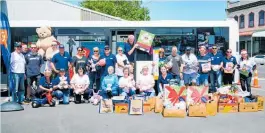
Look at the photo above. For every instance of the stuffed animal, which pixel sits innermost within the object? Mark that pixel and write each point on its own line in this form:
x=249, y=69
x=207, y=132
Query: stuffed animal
x=45, y=41
x=78, y=88
x=95, y=99
x=63, y=83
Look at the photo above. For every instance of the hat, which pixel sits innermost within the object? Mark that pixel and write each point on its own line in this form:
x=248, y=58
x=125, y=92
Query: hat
x=62, y=70
x=17, y=44
x=188, y=48
x=106, y=47
x=61, y=46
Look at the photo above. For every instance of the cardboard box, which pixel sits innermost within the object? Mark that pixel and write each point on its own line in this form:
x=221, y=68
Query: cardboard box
x=248, y=107
x=179, y=113
x=228, y=107
x=152, y=102
x=198, y=110
x=121, y=108
x=211, y=108
x=260, y=103
x=147, y=108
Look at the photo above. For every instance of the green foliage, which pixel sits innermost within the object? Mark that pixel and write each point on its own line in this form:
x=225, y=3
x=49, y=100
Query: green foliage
x=128, y=10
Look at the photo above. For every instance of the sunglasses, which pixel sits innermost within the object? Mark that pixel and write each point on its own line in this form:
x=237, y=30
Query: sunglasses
x=33, y=47
x=95, y=51
x=106, y=49
x=119, y=50
x=19, y=46
x=228, y=51
x=214, y=48
x=80, y=50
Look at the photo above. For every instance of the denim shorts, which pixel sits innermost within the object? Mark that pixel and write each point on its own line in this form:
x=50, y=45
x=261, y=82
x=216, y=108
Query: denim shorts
x=203, y=79
x=188, y=78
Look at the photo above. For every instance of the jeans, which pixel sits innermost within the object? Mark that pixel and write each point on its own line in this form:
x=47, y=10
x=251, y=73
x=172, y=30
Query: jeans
x=216, y=79
x=245, y=83
x=202, y=79
x=19, y=88
x=62, y=94
x=93, y=79
x=130, y=93
x=188, y=78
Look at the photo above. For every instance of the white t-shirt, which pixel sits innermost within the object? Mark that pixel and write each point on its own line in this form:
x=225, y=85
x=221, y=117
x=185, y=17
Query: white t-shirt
x=120, y=59
x=80, y=80
x=129, y=82
x=17, y=62
x=146, y=81
x=190, y=62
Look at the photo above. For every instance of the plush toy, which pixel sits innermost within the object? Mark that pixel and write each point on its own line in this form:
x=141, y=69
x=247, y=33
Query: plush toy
x=45, y=41
x=63, y=83
x=78, y=88
x=95, y=99
x=102, y=62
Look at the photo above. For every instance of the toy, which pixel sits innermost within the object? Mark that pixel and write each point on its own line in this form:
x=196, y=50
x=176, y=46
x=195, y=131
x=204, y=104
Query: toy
x=63, y=83
x=102, y=62
x=37, y=102
x=45, y=41
x=95, y=99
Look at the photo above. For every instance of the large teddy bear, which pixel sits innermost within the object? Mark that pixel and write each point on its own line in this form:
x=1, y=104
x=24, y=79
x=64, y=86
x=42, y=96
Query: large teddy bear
x=45, y=41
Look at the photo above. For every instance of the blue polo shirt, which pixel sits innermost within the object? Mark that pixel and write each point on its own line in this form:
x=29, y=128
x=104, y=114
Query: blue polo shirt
x=216, y=59
x=231, y=59
x=110, y=61
x=203, y=60
x=163, y=81
x=127, y=48
x=43, y=82
x=61, y=61
x=56, y=81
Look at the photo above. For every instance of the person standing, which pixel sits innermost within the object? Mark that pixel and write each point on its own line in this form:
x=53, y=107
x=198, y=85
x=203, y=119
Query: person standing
x=61, y=60
x=110, y=60
x=95, y=69
x=204, y=60
x=130, y=48
x=229, y=65
x=122, y=62
x=190, y=67
x=216, y=65
x=80, y=61
x=25, y=49
x=33, y=65
x=174, y=64
x=17, y=64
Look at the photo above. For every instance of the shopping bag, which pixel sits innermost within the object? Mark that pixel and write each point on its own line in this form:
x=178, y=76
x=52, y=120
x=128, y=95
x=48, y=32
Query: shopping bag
x=106, y=106
x=136, y=107
x=146, y=108
x=174, y=94
x=158, y=105
x=197, y=94
x=152, y=102
x=180, y=113
x=121, y=108
x=198, y=110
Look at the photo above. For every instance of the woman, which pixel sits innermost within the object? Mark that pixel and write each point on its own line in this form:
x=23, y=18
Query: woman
x=109, y=85
x=80, y=83
x=162, y=58
x=163, y=79
x=45, y=84
x=229, y=64
x=62, y=87
x=79, y=60
x=122, y=61
x=246, y=67
x=126, y=83
x=94, y=74
x=145, y=84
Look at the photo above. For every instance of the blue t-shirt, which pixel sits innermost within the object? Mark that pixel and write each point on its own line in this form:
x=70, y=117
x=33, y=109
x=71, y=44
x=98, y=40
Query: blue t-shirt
x=163, y=81
x=56, y=81
x=203, y=60
x=110, y=61
x=61, y=61
x=33, y=64
x=127, y=48
x=43, y=82
x=216, y=59
x=231, y=59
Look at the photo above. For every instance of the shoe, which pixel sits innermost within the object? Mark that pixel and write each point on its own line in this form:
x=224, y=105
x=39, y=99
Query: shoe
x=27, y=100
x=57, y=102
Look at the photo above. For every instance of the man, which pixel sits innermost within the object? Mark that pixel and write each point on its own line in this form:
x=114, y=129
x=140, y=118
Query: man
x=216, y=65
x=25, y=49
x=174, y=63
x=61, y=60
x=229, y=66
x=204, y=60
x=129, y=48
x=33, y=65
x=190, y=68
x=17, y=64
x=110, y=61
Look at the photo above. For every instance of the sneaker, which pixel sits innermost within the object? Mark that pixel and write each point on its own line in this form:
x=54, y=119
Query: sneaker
x=71, y=99
x=57, y=101
x=27, y=100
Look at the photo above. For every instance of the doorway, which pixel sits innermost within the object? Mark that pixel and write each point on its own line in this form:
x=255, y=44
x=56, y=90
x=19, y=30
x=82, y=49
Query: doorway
x=119, y=38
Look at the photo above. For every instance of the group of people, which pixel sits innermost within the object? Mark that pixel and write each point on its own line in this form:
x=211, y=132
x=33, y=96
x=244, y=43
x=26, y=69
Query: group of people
x=113, y=75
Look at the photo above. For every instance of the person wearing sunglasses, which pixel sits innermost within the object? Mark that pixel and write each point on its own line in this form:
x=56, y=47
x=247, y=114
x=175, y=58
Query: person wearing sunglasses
x=79, y=60
x=122, y=62
x=34, y=62
x=229, y=65
x=204, y=60
x=216, y=65
x=17, y=66
x=95, y=69
x=110, y=60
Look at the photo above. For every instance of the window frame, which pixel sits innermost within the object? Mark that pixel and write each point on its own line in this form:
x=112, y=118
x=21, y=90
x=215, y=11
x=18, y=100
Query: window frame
x=249, y=16
x=263, y=17
x=242, y=15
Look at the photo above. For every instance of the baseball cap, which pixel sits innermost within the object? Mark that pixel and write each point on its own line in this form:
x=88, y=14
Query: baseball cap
x=188, y=48
x=62, y=70
x=17, y=44
x=106, y=47
x=61, y=46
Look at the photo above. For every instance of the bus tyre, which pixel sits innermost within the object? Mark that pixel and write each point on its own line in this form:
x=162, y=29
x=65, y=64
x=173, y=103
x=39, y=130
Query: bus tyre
x=34, y=104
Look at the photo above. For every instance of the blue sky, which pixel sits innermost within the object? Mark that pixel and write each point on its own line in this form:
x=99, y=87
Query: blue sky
x=183, y=10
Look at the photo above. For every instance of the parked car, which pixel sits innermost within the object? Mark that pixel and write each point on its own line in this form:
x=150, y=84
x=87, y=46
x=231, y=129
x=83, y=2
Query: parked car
x=259, y=59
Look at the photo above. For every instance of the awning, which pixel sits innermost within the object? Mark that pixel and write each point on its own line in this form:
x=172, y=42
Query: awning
x=247, y=33
x=259, y=34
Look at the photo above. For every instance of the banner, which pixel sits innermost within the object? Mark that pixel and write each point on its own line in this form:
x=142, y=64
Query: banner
x=145, y=41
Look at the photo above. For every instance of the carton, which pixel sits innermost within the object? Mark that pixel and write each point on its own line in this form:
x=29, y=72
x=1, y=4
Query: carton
x=146, y=108
x=228, y=107
x=248, y=107
x=121, y=108
x=198, y=110
x=179, y=113
x=260, y=103
x=211, y=108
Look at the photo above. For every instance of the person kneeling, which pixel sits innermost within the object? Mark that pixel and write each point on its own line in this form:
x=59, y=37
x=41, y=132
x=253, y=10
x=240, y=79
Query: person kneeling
x=109, y=85
x=61, y=87
x=145, y=83
x=80, y=83
x=127, y=84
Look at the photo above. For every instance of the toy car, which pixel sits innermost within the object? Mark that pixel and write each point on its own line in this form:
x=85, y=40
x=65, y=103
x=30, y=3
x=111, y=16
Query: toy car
x=42, y=101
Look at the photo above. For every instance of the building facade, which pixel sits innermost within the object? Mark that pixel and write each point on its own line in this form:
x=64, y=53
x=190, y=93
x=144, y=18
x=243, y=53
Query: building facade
x=250, y=17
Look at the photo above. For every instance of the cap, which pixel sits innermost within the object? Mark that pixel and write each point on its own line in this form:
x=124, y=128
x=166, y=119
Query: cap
x=188, y=48
x=62, y=70
x=106, y=47
x=17, y=44
x=61, y=46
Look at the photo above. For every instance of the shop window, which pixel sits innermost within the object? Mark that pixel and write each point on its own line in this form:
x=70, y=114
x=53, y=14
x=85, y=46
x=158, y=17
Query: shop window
x=236, y=18
x=261, y=18
x=242, y=22
x=251, y=20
